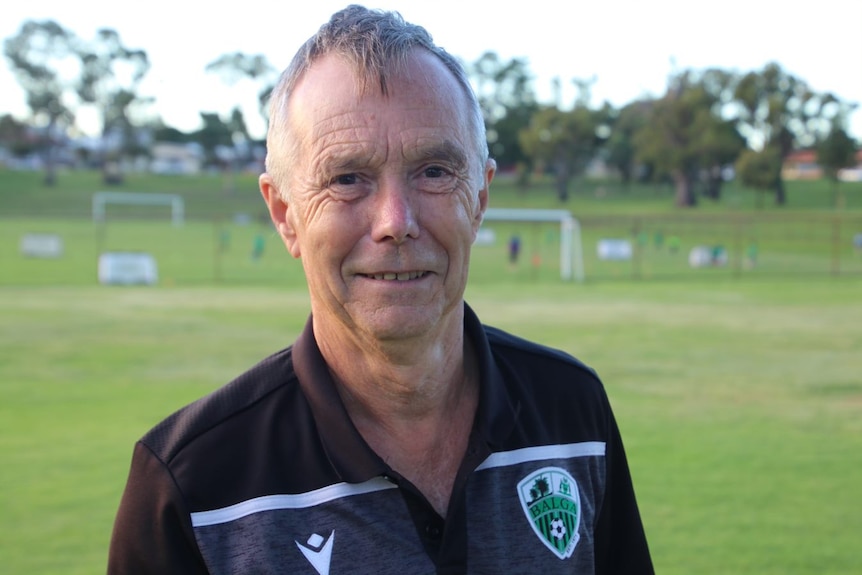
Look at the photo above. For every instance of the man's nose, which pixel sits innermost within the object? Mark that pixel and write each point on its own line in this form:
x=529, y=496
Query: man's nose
x=396, y=216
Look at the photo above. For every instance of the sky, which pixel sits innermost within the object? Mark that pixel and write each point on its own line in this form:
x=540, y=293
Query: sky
x=628, y=46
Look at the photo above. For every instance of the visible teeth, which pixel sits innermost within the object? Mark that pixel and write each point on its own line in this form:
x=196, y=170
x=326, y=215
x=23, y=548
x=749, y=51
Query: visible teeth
x=404, y=276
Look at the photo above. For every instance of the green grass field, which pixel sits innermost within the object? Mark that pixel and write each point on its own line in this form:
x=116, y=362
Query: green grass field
x=739, y=404
x=739, y=397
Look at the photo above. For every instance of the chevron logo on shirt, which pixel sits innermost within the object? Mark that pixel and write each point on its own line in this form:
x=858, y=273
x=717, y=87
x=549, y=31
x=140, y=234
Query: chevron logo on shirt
x=318, y=551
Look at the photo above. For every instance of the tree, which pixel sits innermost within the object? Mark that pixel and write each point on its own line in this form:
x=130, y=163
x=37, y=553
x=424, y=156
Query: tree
x=236, y=67
x=668, y=140
x=666, y=143
x=15, y=136
x=110, y=77
x=777, y=112
x=507, y=99
x=164, y=133
x=215, y=134
x=240, y=148
x=36, y=55
x=687, y=138
x=835, y=152
x=760, y=169
x=563, y=142
x=720, y=143
x=232, y=69
x=620, y=146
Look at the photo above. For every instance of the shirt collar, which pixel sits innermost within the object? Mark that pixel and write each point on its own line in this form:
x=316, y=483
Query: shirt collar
x=350, y=455
x=495, y=416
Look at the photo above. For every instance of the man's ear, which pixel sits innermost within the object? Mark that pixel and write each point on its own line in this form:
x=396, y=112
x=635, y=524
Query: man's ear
x=279, y=212
x=482, y=205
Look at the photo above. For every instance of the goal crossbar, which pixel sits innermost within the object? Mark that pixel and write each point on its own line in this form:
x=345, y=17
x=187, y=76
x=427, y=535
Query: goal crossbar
x=571, y=248
x=101, y=199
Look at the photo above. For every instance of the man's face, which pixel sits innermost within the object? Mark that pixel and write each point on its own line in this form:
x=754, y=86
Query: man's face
x=385, y=200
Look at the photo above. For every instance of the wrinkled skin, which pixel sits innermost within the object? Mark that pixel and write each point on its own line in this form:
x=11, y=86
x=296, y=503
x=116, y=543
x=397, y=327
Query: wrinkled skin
x=384, y=202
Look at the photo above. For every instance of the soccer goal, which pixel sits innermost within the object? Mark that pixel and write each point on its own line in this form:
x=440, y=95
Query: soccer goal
x=102, y=199
x=571, y=248
x=132, y=263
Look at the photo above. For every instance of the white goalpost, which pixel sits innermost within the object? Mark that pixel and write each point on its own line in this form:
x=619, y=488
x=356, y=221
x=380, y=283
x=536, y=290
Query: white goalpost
x=571, y=248
x=102, y=199
x=127, y=267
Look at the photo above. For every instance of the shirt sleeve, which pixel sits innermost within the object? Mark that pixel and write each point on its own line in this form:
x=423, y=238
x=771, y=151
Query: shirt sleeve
x=621, y=545
x=153, y=531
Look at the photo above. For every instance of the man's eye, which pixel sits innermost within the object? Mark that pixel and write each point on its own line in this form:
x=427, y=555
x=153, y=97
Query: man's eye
x=345, y=179
x=434, y=172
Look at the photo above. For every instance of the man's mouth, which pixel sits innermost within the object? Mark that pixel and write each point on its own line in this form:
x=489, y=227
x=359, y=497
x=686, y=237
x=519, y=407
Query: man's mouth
x=393, y=276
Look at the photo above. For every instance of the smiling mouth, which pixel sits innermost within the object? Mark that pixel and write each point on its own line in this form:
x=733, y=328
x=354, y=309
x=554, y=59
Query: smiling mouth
x=392, y=276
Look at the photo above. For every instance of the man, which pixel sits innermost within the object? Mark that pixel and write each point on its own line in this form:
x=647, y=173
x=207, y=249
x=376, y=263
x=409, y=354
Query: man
x=397, y=434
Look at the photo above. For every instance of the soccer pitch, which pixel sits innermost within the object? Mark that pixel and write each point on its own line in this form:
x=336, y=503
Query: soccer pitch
x=738, y=396
x=739, y=403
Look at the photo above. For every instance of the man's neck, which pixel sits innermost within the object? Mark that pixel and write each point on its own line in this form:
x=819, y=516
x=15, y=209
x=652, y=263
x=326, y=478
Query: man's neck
x=401, y=378
x=424, y=444
x=416, y=414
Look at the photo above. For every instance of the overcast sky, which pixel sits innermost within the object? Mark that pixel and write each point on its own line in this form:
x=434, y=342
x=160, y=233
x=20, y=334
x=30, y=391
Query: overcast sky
x=629, y=46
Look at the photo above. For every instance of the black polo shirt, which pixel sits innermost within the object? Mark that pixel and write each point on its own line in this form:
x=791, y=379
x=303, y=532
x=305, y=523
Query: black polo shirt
x=269, y=475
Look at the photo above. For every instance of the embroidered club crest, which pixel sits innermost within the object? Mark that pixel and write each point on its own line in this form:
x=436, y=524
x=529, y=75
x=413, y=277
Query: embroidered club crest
x=551, y=501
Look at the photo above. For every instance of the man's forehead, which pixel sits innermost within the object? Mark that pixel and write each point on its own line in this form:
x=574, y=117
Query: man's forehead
x=329, y=111
x=420, y=72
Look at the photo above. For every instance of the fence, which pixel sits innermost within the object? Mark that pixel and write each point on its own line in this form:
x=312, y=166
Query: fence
x=739, y=246
x=701, y=246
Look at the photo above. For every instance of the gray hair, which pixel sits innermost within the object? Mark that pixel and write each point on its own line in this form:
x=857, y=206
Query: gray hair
x=376, y=43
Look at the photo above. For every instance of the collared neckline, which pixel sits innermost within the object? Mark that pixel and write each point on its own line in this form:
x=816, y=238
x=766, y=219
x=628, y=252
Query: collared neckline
x=352, y=458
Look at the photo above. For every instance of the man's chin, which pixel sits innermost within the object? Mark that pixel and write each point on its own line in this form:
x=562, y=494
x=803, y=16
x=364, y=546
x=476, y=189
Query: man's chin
x=400, y=322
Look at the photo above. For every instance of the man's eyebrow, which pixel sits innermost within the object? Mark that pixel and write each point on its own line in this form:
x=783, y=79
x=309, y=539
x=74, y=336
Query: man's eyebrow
x=345, y=161
x=445, y=150
x=348, y=161
x=346, y=164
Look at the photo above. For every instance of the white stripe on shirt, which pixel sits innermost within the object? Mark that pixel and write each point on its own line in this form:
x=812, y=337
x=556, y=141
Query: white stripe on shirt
x=543, y=452
x=290, y=501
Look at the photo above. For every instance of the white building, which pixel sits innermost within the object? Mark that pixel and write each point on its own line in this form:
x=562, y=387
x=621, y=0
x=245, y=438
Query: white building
x=175, y=158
